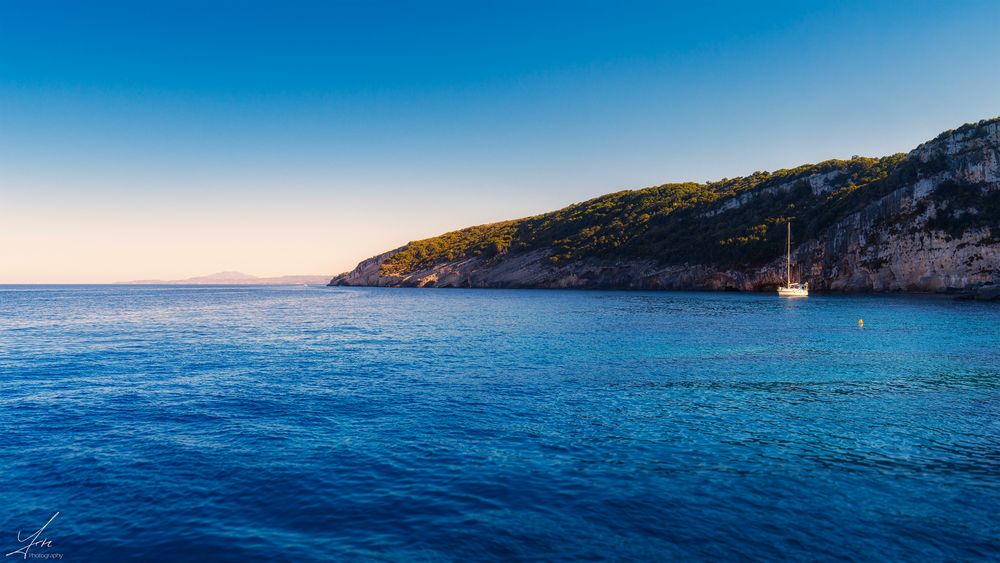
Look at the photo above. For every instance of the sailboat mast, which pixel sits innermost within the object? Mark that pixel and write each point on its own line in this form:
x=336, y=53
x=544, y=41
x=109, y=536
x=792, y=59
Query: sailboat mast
x=788, y=260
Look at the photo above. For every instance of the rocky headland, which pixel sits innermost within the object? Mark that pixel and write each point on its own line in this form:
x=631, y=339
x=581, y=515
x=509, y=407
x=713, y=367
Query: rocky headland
x=925, y=221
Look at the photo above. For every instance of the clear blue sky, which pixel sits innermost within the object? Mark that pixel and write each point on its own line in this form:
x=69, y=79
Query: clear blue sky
x=166, y=139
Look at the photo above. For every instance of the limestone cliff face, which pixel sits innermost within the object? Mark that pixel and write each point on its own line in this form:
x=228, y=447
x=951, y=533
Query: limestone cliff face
x=903, y=241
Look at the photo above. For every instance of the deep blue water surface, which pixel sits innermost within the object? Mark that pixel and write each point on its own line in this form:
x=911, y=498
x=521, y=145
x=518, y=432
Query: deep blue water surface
x=294, y=423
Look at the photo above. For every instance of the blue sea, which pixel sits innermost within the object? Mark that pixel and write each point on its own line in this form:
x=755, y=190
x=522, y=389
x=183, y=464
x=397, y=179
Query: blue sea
x=311, y=423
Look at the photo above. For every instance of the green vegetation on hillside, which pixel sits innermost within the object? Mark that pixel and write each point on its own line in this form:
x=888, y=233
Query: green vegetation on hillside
x=977, y=126
x=678, y=223
x=962, y=207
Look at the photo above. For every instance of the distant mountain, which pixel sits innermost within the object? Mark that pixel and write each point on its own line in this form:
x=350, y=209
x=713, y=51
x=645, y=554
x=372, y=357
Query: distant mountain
x=236, y=278
x=928, y=220
x=224, y=277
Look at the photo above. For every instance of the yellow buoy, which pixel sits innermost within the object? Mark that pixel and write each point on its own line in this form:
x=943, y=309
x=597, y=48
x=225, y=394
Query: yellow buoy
x=861, y=323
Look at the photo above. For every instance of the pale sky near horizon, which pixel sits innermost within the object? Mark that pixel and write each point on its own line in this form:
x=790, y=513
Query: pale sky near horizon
x=174, y=139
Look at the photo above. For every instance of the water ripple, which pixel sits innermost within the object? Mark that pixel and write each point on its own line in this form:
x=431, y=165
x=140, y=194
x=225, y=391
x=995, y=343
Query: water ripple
x=176, y=423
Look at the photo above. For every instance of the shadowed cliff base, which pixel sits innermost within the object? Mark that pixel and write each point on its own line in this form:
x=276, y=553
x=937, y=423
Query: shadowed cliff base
x=926, y=221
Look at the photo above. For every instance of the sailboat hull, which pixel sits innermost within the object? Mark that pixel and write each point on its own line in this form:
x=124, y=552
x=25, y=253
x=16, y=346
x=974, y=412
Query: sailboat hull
x=793, y=292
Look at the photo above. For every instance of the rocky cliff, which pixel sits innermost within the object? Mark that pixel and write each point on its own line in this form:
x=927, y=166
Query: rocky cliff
x=927, y=221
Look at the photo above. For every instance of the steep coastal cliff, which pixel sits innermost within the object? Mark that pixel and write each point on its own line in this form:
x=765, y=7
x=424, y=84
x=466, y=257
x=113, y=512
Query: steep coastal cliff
x=925, y=221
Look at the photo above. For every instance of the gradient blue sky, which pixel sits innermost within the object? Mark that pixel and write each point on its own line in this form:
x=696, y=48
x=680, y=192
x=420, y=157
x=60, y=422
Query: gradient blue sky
x=169, y=139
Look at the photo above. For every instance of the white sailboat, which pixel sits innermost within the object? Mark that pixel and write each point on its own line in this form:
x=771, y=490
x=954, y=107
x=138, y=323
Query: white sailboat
x=791, y=289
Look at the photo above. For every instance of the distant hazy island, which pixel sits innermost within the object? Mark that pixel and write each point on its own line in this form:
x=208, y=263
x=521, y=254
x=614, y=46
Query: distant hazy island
x=924, y=221
x=235, y=278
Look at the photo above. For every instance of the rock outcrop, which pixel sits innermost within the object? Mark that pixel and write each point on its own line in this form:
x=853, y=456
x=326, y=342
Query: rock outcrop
x=935, y=229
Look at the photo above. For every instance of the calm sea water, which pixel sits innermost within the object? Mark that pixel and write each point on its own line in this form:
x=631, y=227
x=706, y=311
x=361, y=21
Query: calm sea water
x=294, y=423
